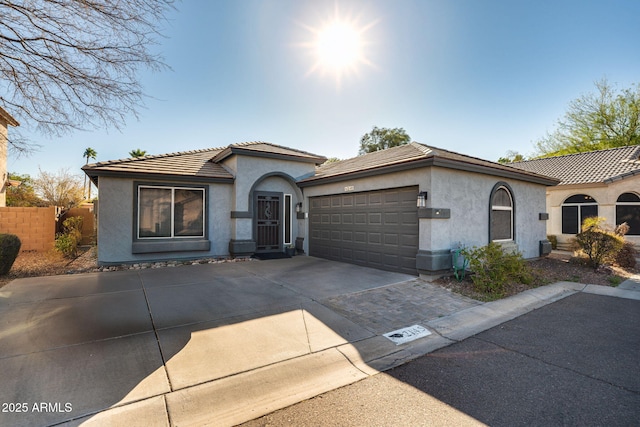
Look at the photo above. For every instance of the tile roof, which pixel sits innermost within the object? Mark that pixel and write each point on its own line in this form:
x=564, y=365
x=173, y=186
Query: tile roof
x=415, y=154
x=602, y=166
x=195, y=163
x=203, y=163
x=268, y=149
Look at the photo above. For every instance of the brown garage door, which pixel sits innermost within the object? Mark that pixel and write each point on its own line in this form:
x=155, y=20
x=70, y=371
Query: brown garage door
x=376, y=228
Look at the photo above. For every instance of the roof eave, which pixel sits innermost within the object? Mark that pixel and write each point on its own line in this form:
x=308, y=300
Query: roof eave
x=229, y=151
x=5, y=116
x=432, y=161
x=94, y=174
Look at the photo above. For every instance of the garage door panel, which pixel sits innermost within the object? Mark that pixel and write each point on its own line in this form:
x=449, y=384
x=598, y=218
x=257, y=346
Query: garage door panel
x=391, y=218
x=375, y=219
x=377, y=229
x=360, y=236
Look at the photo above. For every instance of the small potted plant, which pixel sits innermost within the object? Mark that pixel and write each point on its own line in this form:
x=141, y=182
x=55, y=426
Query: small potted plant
x=290, y=250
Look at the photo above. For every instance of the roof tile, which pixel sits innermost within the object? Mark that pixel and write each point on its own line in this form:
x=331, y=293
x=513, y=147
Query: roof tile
x=600, y=166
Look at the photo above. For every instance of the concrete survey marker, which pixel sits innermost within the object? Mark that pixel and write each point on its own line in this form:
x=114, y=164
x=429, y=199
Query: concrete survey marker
x=408, y=334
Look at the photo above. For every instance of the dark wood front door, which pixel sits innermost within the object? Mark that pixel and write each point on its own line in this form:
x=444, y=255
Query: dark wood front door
x=268, y=222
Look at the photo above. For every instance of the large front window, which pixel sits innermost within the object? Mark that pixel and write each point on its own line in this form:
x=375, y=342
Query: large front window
x=575, y=210
x=170, y=212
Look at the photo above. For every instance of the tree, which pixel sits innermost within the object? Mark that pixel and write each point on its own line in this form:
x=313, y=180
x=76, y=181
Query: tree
x=331, y=160
x=89, y=153
x=382, y=138
x=67, y=65
x=596, y=121
x=137, y=153
x=511, y=156
x=23, y=195
x=59, y=189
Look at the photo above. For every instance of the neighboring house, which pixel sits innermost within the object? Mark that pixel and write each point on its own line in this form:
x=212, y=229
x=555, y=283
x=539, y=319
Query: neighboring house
x=602, y=183
x=6, y=120
x=259, y=197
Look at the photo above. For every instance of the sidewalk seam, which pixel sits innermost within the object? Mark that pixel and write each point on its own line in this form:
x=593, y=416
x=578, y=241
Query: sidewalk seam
x=155, y=332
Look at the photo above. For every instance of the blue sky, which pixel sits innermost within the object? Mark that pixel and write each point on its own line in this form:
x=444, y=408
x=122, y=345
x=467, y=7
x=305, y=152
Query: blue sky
x=478, y=77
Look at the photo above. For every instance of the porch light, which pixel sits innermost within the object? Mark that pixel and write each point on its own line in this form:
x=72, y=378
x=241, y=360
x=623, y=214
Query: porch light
x=298, y=207
x=422, y=199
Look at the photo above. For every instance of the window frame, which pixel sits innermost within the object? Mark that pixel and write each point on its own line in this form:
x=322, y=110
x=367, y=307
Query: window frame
x=287, y=229
x=512, y=209
x=578, y=206
x=632, y=232
x=173, y=188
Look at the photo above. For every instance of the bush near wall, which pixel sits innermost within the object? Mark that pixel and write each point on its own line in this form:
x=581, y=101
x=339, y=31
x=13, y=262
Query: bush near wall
x=9, y=248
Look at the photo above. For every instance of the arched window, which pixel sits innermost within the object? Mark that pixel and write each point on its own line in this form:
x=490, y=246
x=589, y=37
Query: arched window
x=501, y=216
x=628, y=210
x=576, y=209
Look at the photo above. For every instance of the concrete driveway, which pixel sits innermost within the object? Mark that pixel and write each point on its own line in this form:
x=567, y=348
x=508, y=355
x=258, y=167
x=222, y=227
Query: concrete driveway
x=220, y=344
x=140, y=340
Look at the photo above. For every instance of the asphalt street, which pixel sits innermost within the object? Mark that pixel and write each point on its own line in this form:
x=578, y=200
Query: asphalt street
x=575, y=362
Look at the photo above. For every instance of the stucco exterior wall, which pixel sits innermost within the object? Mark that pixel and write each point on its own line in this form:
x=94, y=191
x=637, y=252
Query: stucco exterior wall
x=116, y=213
x=467, y=195
x=604, y=194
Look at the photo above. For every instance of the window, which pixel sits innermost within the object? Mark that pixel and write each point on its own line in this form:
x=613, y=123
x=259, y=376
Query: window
x=288, y=215
x=575, y=210
x=628, y=210
x=501, y=221
x=170, y=212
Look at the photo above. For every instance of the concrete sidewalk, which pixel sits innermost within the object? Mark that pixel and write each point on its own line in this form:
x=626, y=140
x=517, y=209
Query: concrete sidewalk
x=220, y=344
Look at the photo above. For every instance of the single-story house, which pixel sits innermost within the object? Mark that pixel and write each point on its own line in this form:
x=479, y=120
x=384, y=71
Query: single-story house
x=602, y=183
x=400, y=209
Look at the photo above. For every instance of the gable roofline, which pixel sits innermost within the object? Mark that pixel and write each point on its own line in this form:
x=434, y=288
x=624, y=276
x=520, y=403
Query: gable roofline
x=416, y=155
x=195, y=164
x=268, y=150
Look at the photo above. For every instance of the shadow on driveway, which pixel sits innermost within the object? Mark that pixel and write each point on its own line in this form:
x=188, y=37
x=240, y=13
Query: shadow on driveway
x=72, y=346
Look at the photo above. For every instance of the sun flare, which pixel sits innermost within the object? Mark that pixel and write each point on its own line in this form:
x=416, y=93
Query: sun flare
x=338, y=47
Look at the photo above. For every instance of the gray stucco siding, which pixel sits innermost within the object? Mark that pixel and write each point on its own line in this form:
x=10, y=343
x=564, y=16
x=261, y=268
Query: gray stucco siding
x=117, y=218
x=466, y=195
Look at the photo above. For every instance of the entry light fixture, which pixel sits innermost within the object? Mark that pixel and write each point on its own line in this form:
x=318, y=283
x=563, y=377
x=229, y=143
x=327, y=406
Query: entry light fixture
x=298, y=207
x=422, y=199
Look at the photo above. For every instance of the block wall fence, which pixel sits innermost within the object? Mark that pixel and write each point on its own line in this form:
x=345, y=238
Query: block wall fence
x=37, y=227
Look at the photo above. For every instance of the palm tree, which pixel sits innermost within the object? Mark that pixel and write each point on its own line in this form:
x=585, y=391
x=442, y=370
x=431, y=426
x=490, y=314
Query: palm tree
x=89, y=153
x=137, y=153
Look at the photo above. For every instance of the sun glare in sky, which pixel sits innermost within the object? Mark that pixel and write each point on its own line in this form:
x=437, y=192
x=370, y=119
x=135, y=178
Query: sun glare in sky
x=338, y=47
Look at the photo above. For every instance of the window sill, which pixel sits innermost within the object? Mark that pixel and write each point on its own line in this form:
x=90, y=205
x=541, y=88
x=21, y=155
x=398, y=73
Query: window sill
x=174, y=245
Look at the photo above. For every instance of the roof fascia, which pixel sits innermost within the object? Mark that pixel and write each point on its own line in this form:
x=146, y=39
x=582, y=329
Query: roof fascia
x=487, y=170
x=311, y=181
x=265, y=154
x=5, y=116
x=431, y=161
x=94, y=175
x=621, y=176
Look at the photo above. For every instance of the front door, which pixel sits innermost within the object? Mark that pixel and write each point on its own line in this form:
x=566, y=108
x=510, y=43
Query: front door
x=268, y=221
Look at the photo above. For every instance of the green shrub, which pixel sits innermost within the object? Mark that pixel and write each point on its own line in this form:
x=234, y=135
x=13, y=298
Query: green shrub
x=626, y=256
x=493, y=268
x=597, y=242
x=554, y=241
x=67, y=242
x=9, y=249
